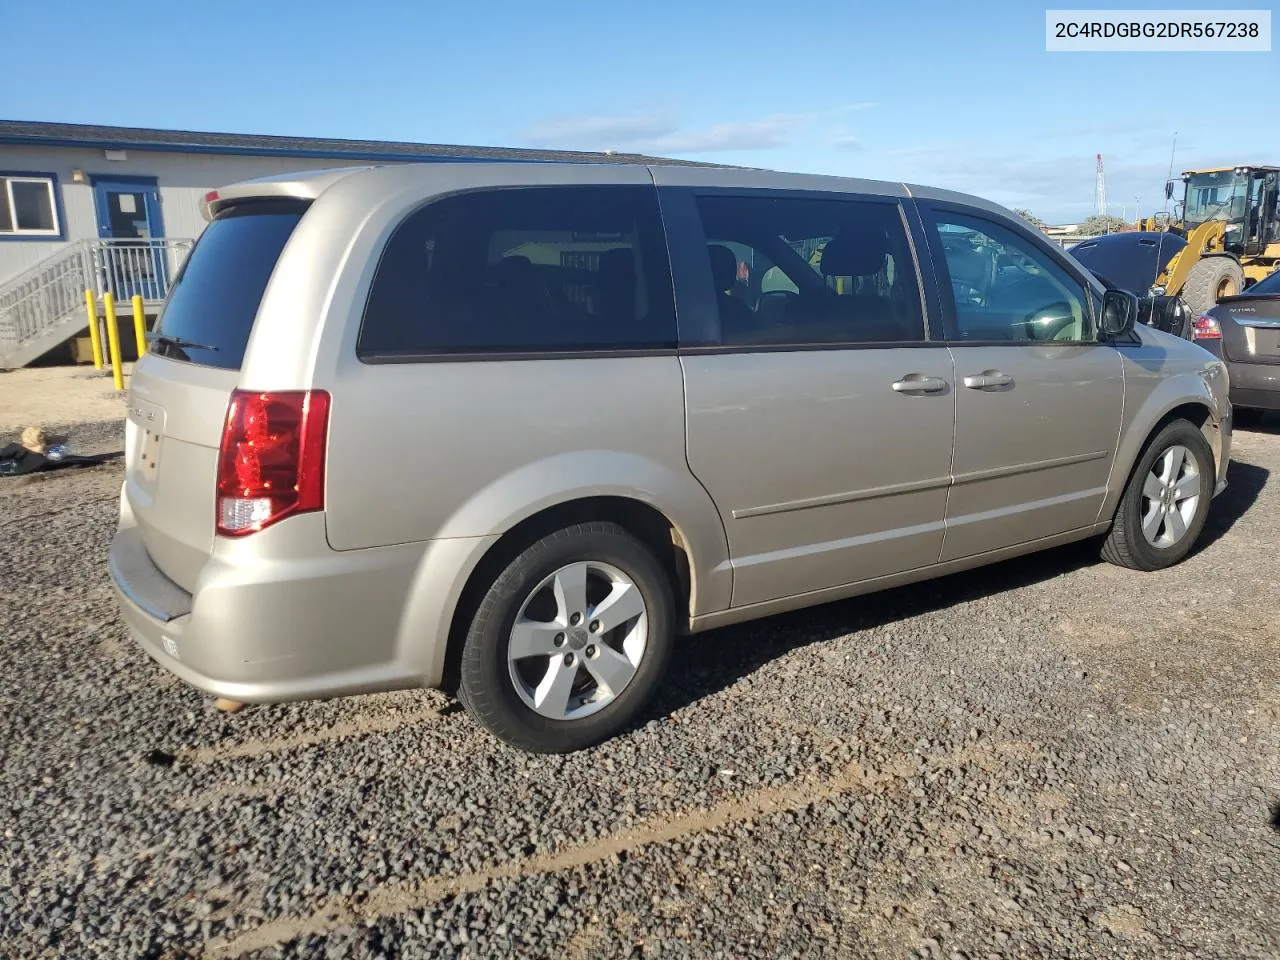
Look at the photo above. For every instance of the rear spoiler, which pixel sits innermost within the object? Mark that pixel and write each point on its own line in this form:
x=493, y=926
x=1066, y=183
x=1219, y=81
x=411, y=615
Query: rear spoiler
x=307, y=185
x=1246, y=295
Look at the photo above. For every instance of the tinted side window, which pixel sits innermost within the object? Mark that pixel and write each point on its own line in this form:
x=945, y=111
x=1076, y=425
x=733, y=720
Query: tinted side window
x=811, y=270
x=523, y=270
x=214, y=300
x=1004, y=287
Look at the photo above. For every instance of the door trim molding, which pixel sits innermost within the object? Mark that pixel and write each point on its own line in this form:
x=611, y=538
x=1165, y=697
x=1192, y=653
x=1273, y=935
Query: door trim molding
x=995, y=473
x=915, y=486
x=851, y=496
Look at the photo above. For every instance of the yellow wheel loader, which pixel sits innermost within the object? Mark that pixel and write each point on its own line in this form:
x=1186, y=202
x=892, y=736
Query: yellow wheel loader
x=1230, y=221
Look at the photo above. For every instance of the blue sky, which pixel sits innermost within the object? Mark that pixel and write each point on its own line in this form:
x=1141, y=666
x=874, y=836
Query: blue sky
x=954, y=95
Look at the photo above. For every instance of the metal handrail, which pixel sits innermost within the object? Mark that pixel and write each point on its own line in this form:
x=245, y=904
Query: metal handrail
x=37, y=299
x=51, y=293
x=128, y=268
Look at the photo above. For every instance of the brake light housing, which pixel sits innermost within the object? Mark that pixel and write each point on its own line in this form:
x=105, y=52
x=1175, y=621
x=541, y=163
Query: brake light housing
x=209, y=206
x=271, y=460
x=1205, y=327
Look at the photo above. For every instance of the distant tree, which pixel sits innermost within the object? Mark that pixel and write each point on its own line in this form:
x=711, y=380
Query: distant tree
x=1101, y=223
x=1030, y=217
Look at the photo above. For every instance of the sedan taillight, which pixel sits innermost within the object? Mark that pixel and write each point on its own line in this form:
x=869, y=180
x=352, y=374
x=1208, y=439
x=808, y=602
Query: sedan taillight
x=1205, y=327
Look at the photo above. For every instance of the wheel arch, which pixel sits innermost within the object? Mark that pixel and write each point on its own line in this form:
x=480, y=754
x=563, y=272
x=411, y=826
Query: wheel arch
x=641, y=519
x=1158, y=412
x=661, y=504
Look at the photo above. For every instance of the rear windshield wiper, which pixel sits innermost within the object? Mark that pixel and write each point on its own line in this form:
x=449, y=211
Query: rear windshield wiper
x=181, y=343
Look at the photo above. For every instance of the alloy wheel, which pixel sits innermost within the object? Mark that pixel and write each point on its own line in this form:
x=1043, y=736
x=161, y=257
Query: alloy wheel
x=1170, y=495
x=577, y=640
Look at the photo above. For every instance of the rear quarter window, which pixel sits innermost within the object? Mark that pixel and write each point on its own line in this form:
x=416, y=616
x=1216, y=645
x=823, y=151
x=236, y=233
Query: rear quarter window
x=525, y=270
x=211, y=308
x=1269, y=285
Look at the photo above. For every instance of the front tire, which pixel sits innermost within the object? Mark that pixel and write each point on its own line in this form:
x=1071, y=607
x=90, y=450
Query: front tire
x=1164, y=506
x=570, y=642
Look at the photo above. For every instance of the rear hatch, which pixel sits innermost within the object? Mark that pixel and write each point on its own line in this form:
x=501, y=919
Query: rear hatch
x=1252, y=333
x=179, y=391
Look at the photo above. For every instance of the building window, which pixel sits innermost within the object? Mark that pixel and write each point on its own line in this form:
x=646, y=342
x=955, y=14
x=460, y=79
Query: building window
x=28, y=206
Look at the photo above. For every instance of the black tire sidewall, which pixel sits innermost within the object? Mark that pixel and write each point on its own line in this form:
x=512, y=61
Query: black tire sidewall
x=1201, y=286
x=1179, y=432
x=486, y=687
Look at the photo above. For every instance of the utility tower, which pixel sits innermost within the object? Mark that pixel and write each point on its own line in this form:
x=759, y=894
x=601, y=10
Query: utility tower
x=1100, y=193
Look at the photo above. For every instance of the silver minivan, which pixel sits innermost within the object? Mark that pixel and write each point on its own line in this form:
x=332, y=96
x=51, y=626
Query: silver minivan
x=509, y=429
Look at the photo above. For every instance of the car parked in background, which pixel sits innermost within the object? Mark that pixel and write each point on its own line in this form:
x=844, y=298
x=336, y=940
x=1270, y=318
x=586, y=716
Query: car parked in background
x=1131, y=261
x=509, y=429
x=1244, y=331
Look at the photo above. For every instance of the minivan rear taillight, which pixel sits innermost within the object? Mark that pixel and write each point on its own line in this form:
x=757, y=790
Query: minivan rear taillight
x=271, y=461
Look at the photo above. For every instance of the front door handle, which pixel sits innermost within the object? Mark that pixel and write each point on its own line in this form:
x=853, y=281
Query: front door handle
x=914, y=383
x=988, y=379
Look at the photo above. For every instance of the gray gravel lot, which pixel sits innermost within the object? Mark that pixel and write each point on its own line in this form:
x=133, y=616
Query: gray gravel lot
x=1048, y=758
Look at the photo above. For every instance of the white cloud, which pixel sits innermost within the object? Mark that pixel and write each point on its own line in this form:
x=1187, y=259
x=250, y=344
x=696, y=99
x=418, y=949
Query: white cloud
x=768, y=133
x=596, y=132
x=1053, y=174
x=658, y=133
x=1056, y=188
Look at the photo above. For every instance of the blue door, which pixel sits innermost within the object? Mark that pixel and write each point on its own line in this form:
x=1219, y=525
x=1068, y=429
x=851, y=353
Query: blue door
x=134, y=259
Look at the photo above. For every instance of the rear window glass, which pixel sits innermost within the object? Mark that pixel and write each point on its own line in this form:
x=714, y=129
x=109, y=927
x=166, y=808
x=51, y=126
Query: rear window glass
x=523, y=270
x=211, y=307
x=1270, y=284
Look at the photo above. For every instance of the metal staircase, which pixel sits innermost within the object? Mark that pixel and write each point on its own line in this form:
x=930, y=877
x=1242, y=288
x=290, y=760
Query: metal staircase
x=43, y=307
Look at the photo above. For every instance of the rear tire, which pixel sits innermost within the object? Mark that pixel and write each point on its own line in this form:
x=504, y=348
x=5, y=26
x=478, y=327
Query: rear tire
x=1166, y=501
x=1211, y=278
x=544, y=667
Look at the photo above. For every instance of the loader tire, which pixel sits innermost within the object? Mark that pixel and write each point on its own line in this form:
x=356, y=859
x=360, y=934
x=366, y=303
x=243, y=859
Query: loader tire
x=1211, y=278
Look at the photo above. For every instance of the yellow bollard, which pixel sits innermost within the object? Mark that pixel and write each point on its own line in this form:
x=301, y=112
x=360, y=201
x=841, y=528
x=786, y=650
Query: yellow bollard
x=113, y=339
x=95, y=332
x=139, y=326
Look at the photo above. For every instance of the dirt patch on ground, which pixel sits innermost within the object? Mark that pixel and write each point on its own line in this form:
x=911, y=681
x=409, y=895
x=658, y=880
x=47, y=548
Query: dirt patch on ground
x=40, y=395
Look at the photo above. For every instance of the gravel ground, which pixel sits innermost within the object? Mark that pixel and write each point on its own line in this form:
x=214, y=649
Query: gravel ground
x=1048, y=758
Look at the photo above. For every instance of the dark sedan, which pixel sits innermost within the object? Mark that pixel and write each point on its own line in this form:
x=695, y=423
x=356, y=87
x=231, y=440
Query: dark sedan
x=1132, y=261
x=1244, y=330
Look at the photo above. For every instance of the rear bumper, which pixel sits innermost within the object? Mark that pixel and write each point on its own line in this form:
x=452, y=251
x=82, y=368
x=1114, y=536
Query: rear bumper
x=303, y=627
x=1255, y=385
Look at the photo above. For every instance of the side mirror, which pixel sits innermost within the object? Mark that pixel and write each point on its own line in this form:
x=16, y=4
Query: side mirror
x=1119, y=313
x=1168, y=190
